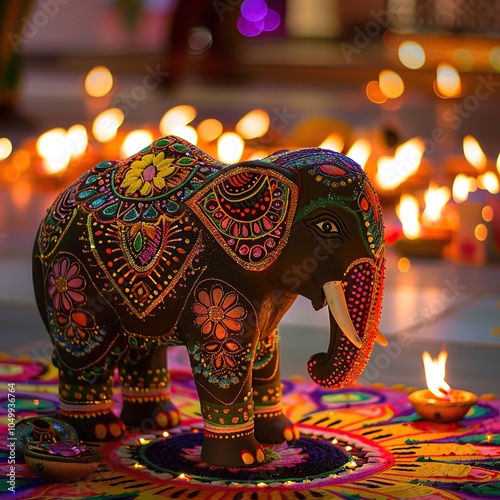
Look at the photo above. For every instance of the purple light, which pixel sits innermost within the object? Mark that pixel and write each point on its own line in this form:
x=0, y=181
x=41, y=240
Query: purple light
x=254, y=10
x=249, y=28
x=272, y=20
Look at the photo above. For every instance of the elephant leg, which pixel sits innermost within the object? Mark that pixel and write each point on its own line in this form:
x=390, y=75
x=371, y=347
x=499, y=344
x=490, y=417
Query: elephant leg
x=86, y=400
x=145, y=386
x=271, y=426
x=227, y=412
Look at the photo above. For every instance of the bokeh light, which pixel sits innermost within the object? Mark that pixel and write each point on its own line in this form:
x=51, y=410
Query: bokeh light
x=77, y=140
x=5, y=148
x=254, y=124
x=256, y=17
x=463, y=59
x=448, y=82
x=230, y=147
x=99, y=81
x=474, y=153
x=411, y=54
x=404, y=265
x=178, y=116
x=135, y=141
x=51, y=146
x=487, y=213
x=494, y=57
x=199, y=40
x=209, y=129
x=374, y=93
x=391, y=84
x=481, y=232
x=254, y=10
x=334, y=141
x=106, y=124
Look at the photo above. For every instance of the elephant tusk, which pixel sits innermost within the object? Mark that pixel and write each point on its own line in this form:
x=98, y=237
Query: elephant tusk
x=380, y=338
x=334, y=293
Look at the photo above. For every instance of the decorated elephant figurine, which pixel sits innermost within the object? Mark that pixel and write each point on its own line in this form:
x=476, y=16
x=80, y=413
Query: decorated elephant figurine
x=170, y=247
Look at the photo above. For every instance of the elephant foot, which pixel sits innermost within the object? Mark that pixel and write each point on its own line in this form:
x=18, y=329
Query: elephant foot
x=234, y=452
x=274, y=429
x=137, y=414
x=94, y=426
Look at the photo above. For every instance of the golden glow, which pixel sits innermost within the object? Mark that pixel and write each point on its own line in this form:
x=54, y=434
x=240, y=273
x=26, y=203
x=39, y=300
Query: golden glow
x=473, y=152
x=5, y=148
x=209, y=129
x=392, y=171
x=51, y=146
x=178, y=116
x=21, y=195
x=254, y=124
x=391, y=84
x=448, y=81
x=165, y=434
x=460, y=189
x=22, y=159
x=463, y=59
x=334, y=141
x=374, y=93
x=408, y=213
x=435, y=373
x=487, y=213
x=77, y=140
x=186, y=132
x=99, y=81
x=494, y=57
x=489, y=181
x=360, y=151
x=135, y=141
x=481, y=232
x=106, y=124
x=498, y=164
x=435, y=200
x=230, y=147
x=404, y=265
x=259, y=154
x=411, y=54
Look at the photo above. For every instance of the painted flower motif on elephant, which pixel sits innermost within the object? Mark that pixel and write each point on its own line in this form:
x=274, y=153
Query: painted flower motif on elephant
x=148, y=174
x=218, y=313
x=65, y=284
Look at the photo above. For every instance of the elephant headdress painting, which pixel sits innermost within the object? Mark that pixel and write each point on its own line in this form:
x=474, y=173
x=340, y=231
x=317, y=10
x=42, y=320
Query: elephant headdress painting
x=171, y=247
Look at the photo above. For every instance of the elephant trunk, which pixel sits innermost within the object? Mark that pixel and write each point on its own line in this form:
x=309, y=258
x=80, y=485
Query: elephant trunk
x=354, y=307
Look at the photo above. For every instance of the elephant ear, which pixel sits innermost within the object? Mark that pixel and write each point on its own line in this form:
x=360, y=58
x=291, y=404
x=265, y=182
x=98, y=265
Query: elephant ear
x=249, y=208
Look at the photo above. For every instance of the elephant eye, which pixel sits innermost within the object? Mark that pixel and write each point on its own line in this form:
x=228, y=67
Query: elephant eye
x=327, y=226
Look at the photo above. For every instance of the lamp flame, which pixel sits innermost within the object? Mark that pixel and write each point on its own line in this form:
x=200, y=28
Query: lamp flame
x=407, y=212
x=230, y=147
x=473, y=152
x=254, y=124
x=334, y=141
x=392, y=171
x=435, y=200
x=435, y=373
x=176, y=117
x=360, y=151
x=448, y=81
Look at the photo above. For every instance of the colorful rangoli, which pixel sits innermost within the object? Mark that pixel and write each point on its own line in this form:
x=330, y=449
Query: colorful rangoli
x=359, y=442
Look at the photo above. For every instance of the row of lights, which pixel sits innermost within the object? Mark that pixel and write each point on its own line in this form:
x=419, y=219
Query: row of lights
x=411, y=54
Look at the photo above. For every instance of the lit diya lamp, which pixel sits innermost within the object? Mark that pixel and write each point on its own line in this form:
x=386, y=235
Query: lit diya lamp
x=440, y=403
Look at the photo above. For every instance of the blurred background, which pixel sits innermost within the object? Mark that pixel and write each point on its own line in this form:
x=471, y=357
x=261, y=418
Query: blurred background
x=410, y=90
